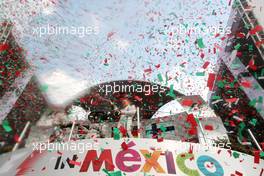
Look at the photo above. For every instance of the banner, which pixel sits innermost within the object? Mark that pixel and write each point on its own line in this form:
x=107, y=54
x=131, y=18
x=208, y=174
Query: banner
x=132, y=157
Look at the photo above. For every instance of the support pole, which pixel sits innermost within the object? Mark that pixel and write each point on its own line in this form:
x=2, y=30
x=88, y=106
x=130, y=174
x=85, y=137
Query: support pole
x=254, y=139
x=72, y=128
x=21, y=137
x=138, y=122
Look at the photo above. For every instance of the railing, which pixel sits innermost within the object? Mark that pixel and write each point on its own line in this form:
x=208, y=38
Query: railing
x=5, y=31
x=249, y=18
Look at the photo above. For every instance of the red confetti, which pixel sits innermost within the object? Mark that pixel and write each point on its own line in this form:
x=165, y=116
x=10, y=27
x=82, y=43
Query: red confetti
x=187, y=102
x=160, y=139
x=259, y=43
x=123, y=130
x=192, y=131
x=110, y=35
x=75, y=162
x=256, y=157
x=230, y=152
x=202, y=55
x=124, y=146
x=252, y=65
x=262, y=145
x=209, y=127
x=190, y=149
x=157, y=66
x=206, y=64
x=240, y=35
x=246, y=84
x=231, y=100
x=149, y=70
x=138, y=98
x=261, y=172
x=210, y=81
x=17, y=73
x=3, y=47
x=190, y=119
x=253, y=31
x=239, y=54
x=217, y=35
x=16, y=138
x=232, y=123
x=237, y=173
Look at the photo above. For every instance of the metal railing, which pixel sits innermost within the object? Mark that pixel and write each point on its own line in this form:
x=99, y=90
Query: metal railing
x=248, y=17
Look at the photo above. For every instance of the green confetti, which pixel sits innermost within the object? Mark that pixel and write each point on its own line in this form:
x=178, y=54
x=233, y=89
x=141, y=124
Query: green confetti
x=163, y=129
x=215, y=97
x=171, y=92
x=260, y=99
x=44, y=88
x=6, y=126
x=167, y=78
x=160, y=77
x=250, y=47
x=148, y=155
x=237, y=46
x=262, y=72
x=116, y=173
x=253, y=121
x=241, y=127
x=236, y=155
x=220, y=84
x=213, y=13
x=200, y=43
x=200, y=73
x=253, y=103
x=232, y=85
x=116, y=134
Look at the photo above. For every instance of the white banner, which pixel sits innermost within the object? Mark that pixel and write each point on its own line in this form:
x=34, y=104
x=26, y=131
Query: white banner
x=131, y=157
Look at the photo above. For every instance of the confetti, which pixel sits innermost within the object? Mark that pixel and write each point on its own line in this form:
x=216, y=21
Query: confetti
x=209, y=127
x=200, y=74
x=160, y=77
x=237, y=46
x=206, y=64
x=6, y=126
x=3, y=47
x=75, y=163
x=44, y=88
x=246, y=84
x=210, y=81
x=200, y=43
x=187, y=102
x=256, y=157
x=236, y=154
x=253, y=31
